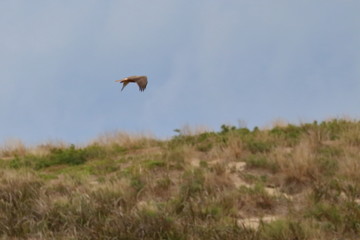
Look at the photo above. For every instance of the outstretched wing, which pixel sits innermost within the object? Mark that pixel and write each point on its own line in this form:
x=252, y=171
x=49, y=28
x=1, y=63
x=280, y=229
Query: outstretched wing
x=142, y=82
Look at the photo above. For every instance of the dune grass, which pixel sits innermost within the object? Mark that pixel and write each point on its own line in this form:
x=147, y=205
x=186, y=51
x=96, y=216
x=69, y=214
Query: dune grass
x=304, y=177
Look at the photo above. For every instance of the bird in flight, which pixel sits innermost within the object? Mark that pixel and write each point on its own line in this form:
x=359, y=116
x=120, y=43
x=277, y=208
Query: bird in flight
x=140, y=80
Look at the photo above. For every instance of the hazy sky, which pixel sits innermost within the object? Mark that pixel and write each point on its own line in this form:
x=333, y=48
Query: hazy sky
x=208, y=62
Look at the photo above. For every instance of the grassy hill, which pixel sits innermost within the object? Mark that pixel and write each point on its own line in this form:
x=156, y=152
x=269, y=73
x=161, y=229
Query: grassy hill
x=287, y=182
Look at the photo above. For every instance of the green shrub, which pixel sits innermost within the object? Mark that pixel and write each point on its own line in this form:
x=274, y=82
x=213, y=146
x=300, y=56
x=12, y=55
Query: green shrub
x=327, y=212
x=283, y=230
x=117, y=149
x=258, y=146
x=243, y=131
x=259, y=161
x=137, y=182
x=151, y=164
x=175, y=158
x=71, y=155
x=290, y=133
x=204, y=147
x=193, y=183
x=18, y=162
x=57, y=156
x=227, y=128
x=102, y=167
x=94, y=151
x=327, y=166
x=335, y=204
x=30, y=161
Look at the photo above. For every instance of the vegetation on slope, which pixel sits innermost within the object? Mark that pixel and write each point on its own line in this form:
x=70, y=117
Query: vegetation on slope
x=302, y=182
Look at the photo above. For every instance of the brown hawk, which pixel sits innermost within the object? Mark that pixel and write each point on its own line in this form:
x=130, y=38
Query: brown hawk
x=140, y=80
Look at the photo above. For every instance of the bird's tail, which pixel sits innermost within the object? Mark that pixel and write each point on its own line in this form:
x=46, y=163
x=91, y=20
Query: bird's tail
x=124, y=85
x=123, y=82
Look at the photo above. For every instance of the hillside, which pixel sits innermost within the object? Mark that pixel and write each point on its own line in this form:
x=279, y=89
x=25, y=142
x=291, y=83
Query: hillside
x=287, y=182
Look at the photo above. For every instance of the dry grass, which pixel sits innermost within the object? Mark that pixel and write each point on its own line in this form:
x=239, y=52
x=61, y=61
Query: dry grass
x=303, y=181
x=12, y=147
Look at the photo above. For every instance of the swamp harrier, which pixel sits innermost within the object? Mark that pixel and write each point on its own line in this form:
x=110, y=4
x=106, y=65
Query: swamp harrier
x=140, y=80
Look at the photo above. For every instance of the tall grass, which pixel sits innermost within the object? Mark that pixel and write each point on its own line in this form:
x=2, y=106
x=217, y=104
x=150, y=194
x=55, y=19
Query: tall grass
x=122, y=186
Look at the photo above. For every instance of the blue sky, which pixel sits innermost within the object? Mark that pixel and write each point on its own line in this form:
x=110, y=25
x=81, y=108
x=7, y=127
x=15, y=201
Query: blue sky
x=208, y=63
